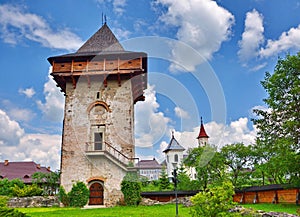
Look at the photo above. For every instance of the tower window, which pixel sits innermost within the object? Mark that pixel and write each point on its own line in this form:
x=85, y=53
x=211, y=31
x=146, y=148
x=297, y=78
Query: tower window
x=176, y=157
x=98, y=136
x=98, y=95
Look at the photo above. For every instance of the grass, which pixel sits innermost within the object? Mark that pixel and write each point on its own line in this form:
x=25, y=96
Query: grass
x=140, y=211
x=288, y=208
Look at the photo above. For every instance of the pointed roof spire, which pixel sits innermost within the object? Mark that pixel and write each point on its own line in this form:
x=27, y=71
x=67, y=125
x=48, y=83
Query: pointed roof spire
x=174, y=145
x=202, y=133
x=103, y=40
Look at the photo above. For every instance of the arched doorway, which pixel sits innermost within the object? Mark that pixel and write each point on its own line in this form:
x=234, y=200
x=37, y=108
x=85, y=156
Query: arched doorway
x=96, y=194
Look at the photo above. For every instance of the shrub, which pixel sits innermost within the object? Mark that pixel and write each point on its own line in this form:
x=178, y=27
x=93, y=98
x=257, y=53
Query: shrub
x=27, y=191
x=79, y=195
x=8, y=212
x=215, y=201
x=3, y=201
x=131, y=188
x=63, y=197
x=6, y=186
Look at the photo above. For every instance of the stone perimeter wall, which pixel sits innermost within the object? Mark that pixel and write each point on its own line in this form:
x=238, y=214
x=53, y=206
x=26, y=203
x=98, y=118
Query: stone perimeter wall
x=36, y=201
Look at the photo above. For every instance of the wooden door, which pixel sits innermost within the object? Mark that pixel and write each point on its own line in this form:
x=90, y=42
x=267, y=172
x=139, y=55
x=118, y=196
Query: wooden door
x=96, y=194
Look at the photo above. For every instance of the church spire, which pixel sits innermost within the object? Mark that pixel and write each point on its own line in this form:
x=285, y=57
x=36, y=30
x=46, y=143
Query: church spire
x=202, y=137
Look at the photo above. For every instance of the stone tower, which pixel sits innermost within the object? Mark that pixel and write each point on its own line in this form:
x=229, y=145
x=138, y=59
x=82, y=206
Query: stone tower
x=202, y=137
x=101, y=83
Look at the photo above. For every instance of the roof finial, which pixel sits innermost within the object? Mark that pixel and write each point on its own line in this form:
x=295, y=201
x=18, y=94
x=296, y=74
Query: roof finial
x=172, y=133
x=201, y=120
x=103, y=19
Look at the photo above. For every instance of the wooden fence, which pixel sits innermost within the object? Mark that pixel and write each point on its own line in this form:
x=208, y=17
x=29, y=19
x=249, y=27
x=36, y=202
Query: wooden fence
x=262, y=194
x=268, y=194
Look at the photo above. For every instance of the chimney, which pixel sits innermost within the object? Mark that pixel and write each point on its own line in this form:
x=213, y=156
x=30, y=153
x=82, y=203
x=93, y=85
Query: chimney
x=48, y=168
x=5, y=162
x=38, y=166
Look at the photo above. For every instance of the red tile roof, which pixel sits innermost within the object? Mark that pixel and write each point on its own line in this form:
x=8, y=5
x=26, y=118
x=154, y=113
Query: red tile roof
x=202, y=133
x=21, y=170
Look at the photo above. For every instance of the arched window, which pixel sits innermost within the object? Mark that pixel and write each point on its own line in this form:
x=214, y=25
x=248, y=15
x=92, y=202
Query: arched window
x=176, y=157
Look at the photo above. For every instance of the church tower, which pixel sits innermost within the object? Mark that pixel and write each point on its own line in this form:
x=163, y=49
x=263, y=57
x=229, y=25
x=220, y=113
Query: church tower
x=174, y=156
x=101, y=83
x=202, y=137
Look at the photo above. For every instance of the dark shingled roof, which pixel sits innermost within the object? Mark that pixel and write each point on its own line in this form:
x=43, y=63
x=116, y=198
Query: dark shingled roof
x=174, y=145
x=103, y=40
x=21, y=170
x=102, y=44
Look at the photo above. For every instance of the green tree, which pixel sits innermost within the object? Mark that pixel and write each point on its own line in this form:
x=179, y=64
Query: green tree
x=278, y=139
x=131, y=188
x=184, y=181
x=164, y=183
x=238, y=158
x=215, y=201
x=48, y=181
x=208, y=163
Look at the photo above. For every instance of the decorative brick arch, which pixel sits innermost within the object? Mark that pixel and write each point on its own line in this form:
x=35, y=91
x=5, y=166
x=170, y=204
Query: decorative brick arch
x=98, y=103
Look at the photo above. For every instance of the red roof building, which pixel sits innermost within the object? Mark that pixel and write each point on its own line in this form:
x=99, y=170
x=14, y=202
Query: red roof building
x=21, y=170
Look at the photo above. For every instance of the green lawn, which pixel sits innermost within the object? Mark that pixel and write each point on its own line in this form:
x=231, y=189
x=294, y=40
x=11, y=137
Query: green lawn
x=288, y=208
x=140, y=211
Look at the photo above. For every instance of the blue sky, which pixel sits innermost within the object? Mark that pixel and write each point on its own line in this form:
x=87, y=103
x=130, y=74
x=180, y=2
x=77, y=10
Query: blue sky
x=206, y=58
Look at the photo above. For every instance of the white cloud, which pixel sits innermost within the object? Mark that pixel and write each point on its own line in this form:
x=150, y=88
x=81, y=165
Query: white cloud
x=21, y=114
x=252, y=37
x=121, y=34
x=259, y=107
x=202, y=24
x=150, y=124
x=54, y=101
x=17, y=24
x=29, y=92
x=287, y=40
x=41, y=148
x=236, y=132
x=118, y=5
x=251, y=44
x=259, y=66
x=179, y=112
x=10, y=131
x=16, y=145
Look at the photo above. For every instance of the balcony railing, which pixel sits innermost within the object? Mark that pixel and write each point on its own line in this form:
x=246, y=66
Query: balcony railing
x=95, y=148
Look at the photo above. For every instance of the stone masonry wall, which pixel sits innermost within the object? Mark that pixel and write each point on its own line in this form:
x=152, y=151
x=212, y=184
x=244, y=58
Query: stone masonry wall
x=81, y=118
x=37, y=201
